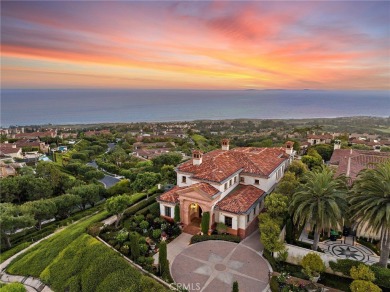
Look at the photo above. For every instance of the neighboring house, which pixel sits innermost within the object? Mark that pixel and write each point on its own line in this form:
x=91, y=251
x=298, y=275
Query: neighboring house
x=7, y=170
x=230, y=184
x=319, y=139
x=10, y=150
x=350, y=162
x=36, y=135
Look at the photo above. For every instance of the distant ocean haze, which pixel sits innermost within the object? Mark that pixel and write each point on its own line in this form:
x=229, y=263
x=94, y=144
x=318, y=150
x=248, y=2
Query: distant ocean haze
x=35, y=107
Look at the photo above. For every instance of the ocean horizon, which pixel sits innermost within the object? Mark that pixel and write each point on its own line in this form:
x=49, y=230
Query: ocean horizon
x=20, y=107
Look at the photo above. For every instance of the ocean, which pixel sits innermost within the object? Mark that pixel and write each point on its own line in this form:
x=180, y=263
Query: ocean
x=38, y=107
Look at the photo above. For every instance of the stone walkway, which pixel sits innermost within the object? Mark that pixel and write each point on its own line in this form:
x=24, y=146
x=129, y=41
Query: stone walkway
x=214, y=266
x=345, y=248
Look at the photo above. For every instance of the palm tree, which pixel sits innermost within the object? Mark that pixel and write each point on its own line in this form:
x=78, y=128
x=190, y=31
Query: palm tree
x=370, y=204
x=321, y=201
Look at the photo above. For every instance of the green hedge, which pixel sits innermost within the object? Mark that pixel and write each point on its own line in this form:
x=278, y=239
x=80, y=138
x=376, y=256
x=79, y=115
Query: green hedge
x=274, y=285
x=268, y=256
x=143, y=204
x=200, y=238
x=13, y=287
x=370, y=245
x=13, y=251
x=147, y=209
x=74, y=261
x=382, y=275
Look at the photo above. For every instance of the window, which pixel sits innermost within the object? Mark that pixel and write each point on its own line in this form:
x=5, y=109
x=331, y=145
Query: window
x=230, y=183
x=254, y=211
x=183, y=179
x=168, y=211
x=225, y=186
x=228, y=221
x=235, y=179
x=257, y=182
x=247, y=218
x=242, y=179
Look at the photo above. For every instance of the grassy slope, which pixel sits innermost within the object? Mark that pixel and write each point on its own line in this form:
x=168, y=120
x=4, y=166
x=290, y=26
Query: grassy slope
x=75, y=261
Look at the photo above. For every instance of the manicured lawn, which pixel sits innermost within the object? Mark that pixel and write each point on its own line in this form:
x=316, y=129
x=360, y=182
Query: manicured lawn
x=9, y=253
x=74, y=261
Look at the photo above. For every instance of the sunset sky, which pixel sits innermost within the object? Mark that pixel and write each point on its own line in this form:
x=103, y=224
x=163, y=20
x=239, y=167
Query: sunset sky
x=196, y=45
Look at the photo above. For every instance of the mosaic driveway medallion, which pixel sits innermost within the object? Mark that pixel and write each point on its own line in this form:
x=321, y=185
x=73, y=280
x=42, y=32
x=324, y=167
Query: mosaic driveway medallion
x=215, y=265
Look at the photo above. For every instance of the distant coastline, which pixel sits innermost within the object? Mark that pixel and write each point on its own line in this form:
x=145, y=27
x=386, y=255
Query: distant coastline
x=71, y=106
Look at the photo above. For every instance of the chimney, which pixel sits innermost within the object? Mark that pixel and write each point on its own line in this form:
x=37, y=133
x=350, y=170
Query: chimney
x=225, y=144
x=14, y=146
x=377, y=148
x=289, y=147
x=337, y=144
x=197, y=157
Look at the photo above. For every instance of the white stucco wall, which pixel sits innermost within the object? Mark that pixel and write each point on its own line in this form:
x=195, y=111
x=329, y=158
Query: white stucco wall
x=162, y=209
x=234, y=219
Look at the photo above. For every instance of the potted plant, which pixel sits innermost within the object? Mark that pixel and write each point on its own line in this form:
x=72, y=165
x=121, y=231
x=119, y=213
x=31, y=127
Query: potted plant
x=313, y=266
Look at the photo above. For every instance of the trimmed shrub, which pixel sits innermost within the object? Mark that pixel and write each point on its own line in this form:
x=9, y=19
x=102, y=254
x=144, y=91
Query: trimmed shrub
x=382, y=276
x=343, y=266
x=134, y=247
x=289, y=231
x=235, y=287
x=361, y=285
x=156, y=233
x=221, y=228
x=176, y=217
x=163, y=260
x=274, y=285
x=313, y=264
x=145, y=203
x=205, y=222
x=362, y=272
x=200, y=238
x=13, y=287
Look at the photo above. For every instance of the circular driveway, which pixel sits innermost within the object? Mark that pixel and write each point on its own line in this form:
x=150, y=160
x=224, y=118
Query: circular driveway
x=214, y=266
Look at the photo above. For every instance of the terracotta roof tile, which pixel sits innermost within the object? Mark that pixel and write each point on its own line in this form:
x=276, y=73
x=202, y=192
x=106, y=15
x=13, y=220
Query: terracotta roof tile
x=172, y=196
x=218, y=165
x=240, y=199
x=350, y=161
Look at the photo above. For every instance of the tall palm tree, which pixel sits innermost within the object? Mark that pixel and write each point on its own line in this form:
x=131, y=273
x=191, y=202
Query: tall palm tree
x=321, y=201
x=370, y=204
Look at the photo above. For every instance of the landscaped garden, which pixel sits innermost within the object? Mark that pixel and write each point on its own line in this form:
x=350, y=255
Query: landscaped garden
x=321, y=201
x=97, y=267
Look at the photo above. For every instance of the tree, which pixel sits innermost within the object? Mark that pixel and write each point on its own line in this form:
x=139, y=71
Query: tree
x=235, y=287
x=12, y=219
x=176, y=217
x=171, y=158
x=168, y=174
x=9, y=190
x=205, y=222
x=51, y=173
x=324, y=150
x=311, y=161
x=288, y=184
x=163, y=260
x=41, y=210
x=89, y=194
x=370, y=201
x=313, y=265
x=134, y=246
x=298, y=168
x=65, y=204
x=117, y=205
x=145, y=180
x=276, y=205
x=319, y=202
x=120, y=188
x=269, y=233
x=118, y=155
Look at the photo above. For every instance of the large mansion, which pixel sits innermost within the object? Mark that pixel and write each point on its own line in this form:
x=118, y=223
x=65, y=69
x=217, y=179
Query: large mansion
x=229, y=184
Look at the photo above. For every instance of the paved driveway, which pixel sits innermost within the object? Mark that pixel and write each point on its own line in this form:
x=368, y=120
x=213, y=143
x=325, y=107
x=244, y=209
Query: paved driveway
x=214, y=266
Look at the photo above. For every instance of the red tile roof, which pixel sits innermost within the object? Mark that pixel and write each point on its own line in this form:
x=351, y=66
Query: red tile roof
x=350, y=161
x=240, y=199
x=325, y=136
x=172, y=196
x=6, y=148
x=218, y=165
